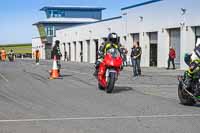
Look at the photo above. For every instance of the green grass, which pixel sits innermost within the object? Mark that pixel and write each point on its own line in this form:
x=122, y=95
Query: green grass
x=18, y=48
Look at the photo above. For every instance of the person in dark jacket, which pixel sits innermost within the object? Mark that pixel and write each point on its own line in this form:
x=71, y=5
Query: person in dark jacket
x=172, y=56
x=136, y=58
x=56, y=52
x=124, y=55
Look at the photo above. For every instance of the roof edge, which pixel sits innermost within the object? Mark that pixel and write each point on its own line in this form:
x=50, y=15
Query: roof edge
x=52, y=22
x=72, y=8
x=108, y=19
x=141, y=4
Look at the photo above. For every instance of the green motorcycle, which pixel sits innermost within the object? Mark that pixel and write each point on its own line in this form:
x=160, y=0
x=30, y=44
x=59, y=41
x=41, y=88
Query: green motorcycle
x=186, y=95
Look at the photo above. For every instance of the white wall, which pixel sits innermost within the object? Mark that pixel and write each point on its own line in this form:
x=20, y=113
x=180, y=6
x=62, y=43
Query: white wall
x=163, y=48
x=161, y=16
x=37, y=45
x=144, y=38
x=90, y=31
x=187, y=43
x=85, y=51
x=157, y=17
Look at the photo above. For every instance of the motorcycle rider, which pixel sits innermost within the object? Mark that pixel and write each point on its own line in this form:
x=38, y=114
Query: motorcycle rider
x=112, y=42
x=56, y=52
x=193, y=61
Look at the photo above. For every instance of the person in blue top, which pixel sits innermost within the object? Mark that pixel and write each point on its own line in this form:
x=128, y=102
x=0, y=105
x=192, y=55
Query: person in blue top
x=136, y=59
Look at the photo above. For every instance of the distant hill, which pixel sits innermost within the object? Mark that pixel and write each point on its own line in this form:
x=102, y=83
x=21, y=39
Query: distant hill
x=13, y=45
x=18, y=48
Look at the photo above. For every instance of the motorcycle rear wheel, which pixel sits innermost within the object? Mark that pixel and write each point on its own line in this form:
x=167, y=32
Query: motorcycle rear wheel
x=184, y=97
x=111, y=83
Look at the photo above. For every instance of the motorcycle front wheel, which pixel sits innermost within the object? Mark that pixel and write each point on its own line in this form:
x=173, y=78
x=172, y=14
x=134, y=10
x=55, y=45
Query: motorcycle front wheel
x=184, y=97
x=111, y=82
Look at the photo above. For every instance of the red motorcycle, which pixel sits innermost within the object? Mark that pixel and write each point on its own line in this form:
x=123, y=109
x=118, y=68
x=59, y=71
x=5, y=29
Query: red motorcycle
x=109, y=70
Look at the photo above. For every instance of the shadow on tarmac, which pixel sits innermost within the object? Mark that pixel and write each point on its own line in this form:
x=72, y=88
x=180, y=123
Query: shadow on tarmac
x=197, y=105
x=120, y=89
x=65, y=75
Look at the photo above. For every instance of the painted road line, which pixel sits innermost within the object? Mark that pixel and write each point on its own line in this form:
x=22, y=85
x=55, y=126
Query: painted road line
x=103, y=118
x=4, y=77
x=81, y=73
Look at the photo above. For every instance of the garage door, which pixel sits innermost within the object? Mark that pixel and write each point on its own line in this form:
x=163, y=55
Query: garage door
x=197, y=32
x=48, y=51
x=135, y=37
x=175, y=42
x=88, y=51
x=153, y=39
x=69, y=45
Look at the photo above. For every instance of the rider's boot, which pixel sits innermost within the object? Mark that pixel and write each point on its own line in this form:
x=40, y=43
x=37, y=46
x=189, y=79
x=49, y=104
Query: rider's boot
x=95, y=72
x=97, y=64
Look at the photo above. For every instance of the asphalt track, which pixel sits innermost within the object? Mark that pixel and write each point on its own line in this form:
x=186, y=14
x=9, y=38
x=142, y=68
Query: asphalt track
x=31, y=103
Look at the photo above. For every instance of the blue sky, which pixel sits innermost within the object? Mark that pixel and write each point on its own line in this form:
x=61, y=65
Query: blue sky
x=17, y=16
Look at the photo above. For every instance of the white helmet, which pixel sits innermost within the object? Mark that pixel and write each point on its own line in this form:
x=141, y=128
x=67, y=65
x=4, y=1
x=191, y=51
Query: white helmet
x=198, y=42
x=194, y=53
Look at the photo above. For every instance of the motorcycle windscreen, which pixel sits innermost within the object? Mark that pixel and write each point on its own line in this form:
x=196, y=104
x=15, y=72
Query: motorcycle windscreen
x=112, y=62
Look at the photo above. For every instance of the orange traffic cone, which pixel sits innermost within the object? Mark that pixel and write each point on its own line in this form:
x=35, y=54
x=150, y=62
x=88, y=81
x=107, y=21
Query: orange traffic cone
x=54, y=74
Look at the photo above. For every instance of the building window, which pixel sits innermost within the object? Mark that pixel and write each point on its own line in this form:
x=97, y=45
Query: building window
x=58, y=13
x=197, y=33
x=49, y=14
x=50, y=30
x=125, y=38
x=135, y=37
x=55, y=13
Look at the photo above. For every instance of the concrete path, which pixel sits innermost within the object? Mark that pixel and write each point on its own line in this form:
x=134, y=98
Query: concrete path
x=31, y=103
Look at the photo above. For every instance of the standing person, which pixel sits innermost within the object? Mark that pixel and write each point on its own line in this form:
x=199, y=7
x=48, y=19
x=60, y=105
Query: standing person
x=56, y=52
x=81, y=56
x=172, y=56
x=3, y=54
x=133, y=60
x=126, y=59
x=66, y=56
x=124, y=55
x=136, y=58
x=65, y=52
x=37, y=57
x=11, y=55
